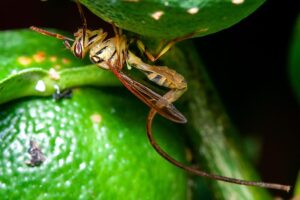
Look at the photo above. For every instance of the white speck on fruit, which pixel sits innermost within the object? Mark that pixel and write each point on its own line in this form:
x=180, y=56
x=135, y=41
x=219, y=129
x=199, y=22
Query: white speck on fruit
x=52, y=131
x=50, y=114
x=157, y=15
x=58, y=141
x=67, y=183
x=39, y=127
x=96, y=118
x=237, y=2
x=193, y=10
x=110, y=156
x=40, y=86
x=20, y=169
x=61, y=162
x=2, y=185
x=69, y=158
x=54, y=75
x=82, y=166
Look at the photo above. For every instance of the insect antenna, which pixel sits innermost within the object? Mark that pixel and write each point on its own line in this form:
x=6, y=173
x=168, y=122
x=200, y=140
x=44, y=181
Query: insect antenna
x=84, y=23
x=51, y=34
x=202, y=173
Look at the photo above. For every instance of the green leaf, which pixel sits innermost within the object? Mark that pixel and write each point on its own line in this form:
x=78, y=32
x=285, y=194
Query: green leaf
x=35, y=65
x=294, y=59
x=173, y=18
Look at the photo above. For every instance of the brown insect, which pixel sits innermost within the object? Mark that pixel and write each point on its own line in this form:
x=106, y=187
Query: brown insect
x=112, y=54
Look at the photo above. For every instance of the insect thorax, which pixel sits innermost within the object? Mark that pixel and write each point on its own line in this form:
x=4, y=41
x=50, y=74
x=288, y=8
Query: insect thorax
x=103, y=53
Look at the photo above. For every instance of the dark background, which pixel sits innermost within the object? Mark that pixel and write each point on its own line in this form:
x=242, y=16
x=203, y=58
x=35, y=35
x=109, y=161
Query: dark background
x=248, y=64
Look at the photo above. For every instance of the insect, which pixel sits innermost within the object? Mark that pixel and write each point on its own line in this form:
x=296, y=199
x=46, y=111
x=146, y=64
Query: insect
x=36, y=155
x=112, y=54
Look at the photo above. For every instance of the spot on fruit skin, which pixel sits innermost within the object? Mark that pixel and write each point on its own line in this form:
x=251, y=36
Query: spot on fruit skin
x=39, y=57
x=157, y=15
x=53, y=58
x=237, y=2
x=24, y=60
x=40, y=86
x=96, y=118
x=193, y=10
x=65, y=61
x=54, y=75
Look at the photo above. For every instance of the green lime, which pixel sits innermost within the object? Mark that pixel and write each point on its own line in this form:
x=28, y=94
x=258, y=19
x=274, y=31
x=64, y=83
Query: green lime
x=94, y=147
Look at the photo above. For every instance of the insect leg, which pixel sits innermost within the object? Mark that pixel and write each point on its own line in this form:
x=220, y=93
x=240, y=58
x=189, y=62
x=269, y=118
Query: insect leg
x=120, y=45
x=163, y=50
x=162, y=76
x=198, y=172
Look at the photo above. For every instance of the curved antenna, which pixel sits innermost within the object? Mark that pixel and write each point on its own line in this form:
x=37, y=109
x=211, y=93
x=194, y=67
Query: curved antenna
x=48, y=33
x=84, y=23
x=202, y=173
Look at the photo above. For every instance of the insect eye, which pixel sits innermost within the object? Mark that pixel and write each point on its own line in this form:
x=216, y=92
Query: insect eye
x=78, y=50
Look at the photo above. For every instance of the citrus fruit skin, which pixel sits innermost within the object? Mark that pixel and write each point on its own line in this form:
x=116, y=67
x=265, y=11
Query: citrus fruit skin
x=173, y=18
x=95, y=147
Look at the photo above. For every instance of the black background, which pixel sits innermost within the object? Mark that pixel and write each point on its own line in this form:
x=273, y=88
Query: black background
x=248, y=64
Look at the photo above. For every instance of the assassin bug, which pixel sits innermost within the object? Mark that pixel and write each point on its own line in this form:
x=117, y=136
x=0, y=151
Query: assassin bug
x=112, y=54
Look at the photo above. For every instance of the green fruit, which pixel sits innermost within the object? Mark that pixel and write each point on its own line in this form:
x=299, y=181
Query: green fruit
x=95, y=147
x=173, y=18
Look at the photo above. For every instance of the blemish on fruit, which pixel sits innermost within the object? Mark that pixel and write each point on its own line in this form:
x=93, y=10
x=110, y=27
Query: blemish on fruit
x=40, y=86
x=237, y=2
x=54, y=75
x=36, y=156
x=193, y=10
x=53, y=58
x=157, y=15
x=202, y=30
x=39, y=56
x=23, y=60
x=96, y=118
x=65, y=61
x=82, y=166
x=57, y=67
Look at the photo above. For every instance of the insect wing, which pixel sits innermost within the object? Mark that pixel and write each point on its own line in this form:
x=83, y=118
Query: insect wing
x=150, y=97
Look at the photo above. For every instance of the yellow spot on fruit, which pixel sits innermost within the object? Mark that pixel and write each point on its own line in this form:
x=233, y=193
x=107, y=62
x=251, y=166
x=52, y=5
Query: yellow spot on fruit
x=96, y=118
x=53, y=58
x=23, y=60
x=39, y=56
x=193, y=10
x=57, y=67
x=54, y=74
x=237, y=1
x=157, y=15
x=65, y=61
x=202, y=30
